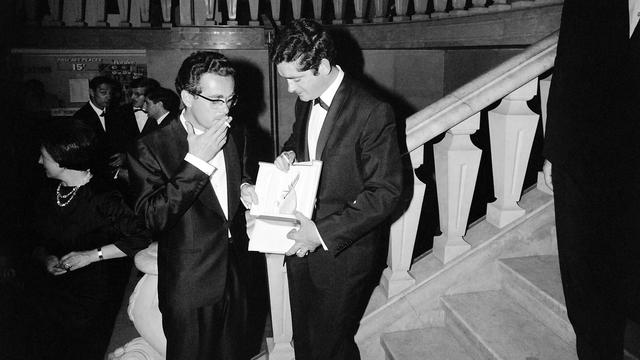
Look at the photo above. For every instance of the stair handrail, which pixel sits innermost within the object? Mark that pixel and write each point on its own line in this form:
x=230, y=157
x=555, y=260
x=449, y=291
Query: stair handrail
x=481, y=92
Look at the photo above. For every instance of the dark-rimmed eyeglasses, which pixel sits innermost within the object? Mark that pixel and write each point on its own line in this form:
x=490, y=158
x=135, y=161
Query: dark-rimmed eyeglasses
x=230, y=102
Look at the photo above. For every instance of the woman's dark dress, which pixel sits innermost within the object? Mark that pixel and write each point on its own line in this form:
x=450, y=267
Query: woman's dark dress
x=75, y=311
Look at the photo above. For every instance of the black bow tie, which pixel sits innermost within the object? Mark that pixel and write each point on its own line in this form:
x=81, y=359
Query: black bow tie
x=135, y=110
x=321, y=103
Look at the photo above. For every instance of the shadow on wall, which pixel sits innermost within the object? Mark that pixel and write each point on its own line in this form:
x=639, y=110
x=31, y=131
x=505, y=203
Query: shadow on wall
x=351, y=60
x=257, y=146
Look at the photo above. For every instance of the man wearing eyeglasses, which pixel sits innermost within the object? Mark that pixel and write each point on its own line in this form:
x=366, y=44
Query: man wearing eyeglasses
x=186, y=180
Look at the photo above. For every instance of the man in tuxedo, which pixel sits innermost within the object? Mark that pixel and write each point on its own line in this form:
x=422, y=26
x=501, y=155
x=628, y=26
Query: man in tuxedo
x=97, y=114
x=133, y=115
x=592, y=137
x=339, y=254
x=161, y=106
x=186, y=180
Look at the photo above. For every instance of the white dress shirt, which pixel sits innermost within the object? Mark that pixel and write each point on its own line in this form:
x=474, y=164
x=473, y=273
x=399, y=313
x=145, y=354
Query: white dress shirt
x=100, y=113
x=634, y=15
x=159, y=120
x=141, y=118
x=318, y=114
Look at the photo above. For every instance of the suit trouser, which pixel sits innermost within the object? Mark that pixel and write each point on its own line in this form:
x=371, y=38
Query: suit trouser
x=597, y=229
x=328, y=299
x=215, y=331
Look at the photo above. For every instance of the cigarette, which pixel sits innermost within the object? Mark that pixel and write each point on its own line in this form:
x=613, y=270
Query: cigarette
x=226, y=123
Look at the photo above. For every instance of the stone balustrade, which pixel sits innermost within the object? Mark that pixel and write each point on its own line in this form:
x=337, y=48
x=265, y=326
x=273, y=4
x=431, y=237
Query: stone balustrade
x=136, y=13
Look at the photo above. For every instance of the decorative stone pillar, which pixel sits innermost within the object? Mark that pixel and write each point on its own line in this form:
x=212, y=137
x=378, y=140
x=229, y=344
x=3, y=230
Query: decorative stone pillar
x=396, y=277
x=185, y=9
x=143, y=311
x=140, y=13
x=232, y=8
x=317, y=10
x=499, y=5
x=254, y=6
x=275, y=10
x=53, y=18
x=380, y=11
x=420, y=7
x=123, y=8
x=456, y=163
x=512, y=126
x=72, y=13
x=95, y=14
x=166, y=13
x=279, y=347
x=339, y=7
x=458, y=7
x=401, y=11
x=439, y=9
x=478, y=7
x=360, y=9
x=206, y=13
x=545, y=84
x=297, y=8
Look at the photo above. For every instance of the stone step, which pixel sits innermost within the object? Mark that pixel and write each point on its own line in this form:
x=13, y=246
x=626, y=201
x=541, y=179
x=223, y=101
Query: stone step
x=435, y=343
x=534, y=283
x=492, y=326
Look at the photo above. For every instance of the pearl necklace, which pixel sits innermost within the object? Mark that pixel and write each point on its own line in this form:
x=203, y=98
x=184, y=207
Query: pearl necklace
x=64, y=200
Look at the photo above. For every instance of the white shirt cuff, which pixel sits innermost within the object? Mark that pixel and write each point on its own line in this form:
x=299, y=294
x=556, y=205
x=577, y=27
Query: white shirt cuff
x=204, y=166
x=246, y=205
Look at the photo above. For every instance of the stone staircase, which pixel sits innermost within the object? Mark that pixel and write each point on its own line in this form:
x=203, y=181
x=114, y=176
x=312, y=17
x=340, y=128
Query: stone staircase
x=525, y=319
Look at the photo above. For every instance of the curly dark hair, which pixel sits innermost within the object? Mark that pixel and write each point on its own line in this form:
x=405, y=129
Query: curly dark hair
x=306, y=41
x=71, y=143
x=199, y=63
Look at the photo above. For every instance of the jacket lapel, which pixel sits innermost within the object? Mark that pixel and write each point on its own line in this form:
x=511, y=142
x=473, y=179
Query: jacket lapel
x=303, y=111
x=337, y=104
x=232, y=163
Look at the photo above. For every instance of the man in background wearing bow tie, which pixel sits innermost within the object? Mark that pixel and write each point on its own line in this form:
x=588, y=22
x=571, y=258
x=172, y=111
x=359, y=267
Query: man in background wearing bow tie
x=339, y=254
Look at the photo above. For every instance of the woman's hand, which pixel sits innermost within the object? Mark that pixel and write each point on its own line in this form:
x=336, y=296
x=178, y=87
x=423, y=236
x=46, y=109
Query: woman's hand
x=78, y=259
x=54, y=266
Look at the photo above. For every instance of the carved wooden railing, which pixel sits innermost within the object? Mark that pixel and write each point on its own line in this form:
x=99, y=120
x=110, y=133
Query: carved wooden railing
x=136, y=13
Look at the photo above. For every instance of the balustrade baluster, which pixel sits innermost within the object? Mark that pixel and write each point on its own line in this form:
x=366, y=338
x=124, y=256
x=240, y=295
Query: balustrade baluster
x=140, y=13
x=360, y=9
x=380, y=10
x=458, y=7
x=279, y=347
x=401, y=10
x=297, y=8
x=512, y=126
x=94, y=13
x=545, y=84
x=232, y=8
x=123, y=10
x=53, y=18
x=456, y=163
x=396, y=277
x=254, y=7
x=499, y=5
x=72, y=13
x=339, y=7
x=478, y=6
x=186, y=7
x=439, y=9
x=420, y=8
x=317, y=10
x=275, y=10
x=166, y=13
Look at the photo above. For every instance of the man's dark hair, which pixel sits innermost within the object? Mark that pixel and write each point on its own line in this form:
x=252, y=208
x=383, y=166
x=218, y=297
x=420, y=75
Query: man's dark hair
x=143, y=82
x=170, y=101
x=304, y=40
x=99, y=80
x=199, y=63
x=71, y=143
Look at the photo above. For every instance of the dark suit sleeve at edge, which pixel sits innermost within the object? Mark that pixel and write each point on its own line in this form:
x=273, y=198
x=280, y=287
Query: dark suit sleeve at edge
x=160, y=199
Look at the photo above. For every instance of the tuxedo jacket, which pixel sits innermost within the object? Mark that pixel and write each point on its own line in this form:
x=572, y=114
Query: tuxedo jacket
x=129, y=126
x=594, y=103
x=361, y=178
x=181, y=208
